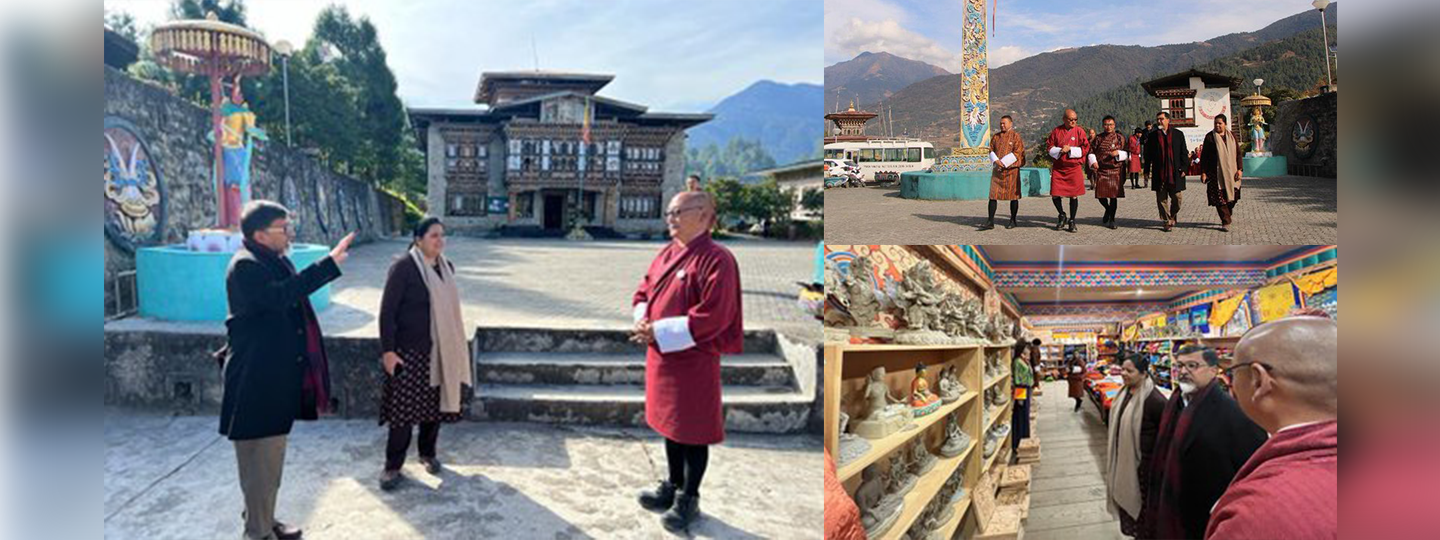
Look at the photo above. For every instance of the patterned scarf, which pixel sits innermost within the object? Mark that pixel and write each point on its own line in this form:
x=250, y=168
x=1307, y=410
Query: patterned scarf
x=1164, y=512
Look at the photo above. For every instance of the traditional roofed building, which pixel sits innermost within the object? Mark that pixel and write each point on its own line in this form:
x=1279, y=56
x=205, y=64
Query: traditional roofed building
x=522, y=159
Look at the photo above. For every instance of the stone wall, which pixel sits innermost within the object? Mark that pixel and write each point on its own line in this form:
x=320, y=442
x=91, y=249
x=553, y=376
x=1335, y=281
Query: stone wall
x=1321, y=112
x=174, y=137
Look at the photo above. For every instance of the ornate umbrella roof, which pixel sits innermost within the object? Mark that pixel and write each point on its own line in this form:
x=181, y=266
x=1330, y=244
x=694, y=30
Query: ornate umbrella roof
x=210, y=46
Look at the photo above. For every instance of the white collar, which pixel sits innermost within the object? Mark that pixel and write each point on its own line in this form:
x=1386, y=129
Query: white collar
x=1300, y=425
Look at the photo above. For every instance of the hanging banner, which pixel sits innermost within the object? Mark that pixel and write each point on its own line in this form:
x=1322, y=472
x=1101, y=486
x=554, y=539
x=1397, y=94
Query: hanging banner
x=1314, y=283
x=1225, y=309
x=1276, y=301
x=1200, y=318
x=1129, y=333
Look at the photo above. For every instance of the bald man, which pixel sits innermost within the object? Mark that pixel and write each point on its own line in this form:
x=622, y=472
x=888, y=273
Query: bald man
x=1284, y=378
x=687, y=314
x=1068, y=144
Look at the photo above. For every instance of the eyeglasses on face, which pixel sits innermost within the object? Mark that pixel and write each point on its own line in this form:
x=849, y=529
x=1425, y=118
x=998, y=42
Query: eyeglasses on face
x=679, y=211
x=1190, y=366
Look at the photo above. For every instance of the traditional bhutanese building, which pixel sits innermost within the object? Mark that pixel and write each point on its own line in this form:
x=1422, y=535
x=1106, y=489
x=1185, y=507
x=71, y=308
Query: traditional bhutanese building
x=519, y=161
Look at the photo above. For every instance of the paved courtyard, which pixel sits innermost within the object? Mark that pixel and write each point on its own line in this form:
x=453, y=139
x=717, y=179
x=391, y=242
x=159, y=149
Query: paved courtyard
x=555, y=284
x=1280, y=210
x=174, y=478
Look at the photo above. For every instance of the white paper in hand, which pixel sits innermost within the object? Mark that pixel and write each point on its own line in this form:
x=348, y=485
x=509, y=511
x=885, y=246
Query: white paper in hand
x=1008, y=160
x=1075, y=152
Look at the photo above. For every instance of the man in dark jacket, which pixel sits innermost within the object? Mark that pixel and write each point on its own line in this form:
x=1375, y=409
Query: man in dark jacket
x=1203, y=441
x=1166, y=159
x=275, y=370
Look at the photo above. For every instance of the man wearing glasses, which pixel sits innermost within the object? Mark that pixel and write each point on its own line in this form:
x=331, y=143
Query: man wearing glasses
x=1204, y=439
x=1284, y=378
x=687, y=314
x=275, y=366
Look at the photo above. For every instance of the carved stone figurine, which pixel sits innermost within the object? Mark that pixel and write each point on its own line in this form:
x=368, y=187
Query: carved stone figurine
x=883, y=414
x=852, y=446
x=956, y=440
x=950, y=387
x=901, y=481
x=974, y=320
x=921, y=460
x=922, y=400
x=878, y=510
x=861, y=293
x=918, y=299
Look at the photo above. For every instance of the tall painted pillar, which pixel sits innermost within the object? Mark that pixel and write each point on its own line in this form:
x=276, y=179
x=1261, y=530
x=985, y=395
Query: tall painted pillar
x=973, y=152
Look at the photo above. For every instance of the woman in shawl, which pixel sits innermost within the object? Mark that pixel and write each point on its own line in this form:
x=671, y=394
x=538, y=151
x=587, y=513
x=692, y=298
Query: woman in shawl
x=426, y=359
x=1220, y=170
x=1134, y=424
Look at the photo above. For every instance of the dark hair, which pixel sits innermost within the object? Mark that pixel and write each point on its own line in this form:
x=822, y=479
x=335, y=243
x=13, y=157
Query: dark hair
x=1007, y=117
x=423, y=228
x=1221, y=117
x=1148, y=124
x=696, y=177
x=1211, y=357
x=259, y=214
x=1035, y=342
x=1107, y=117
x=1163, y=113
x=1141, y=362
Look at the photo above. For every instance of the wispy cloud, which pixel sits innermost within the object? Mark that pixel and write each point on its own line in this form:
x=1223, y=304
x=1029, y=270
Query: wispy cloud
x=861, y=35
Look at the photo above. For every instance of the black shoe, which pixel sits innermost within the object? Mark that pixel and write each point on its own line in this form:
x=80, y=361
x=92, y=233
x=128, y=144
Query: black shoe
x=286, y=532
x=389, y=480
x=685, y=512
x=989, y=224
x=1111, y=224
x=1072, y=225
x=1060, y=224
x=659, y=499
x=1011, y=225
x=432, y=465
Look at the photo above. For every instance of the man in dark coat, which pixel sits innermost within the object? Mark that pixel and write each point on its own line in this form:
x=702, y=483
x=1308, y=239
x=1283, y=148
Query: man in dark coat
x=275, y=366
x=1204, y=440
x=1075, y=375
x=1166, y=159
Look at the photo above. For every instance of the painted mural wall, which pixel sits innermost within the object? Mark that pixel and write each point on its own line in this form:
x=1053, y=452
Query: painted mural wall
x=158, y=182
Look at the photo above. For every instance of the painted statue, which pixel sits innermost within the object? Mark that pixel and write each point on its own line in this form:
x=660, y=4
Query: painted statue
x=922, y=400
x=1257, y=131
x=238, y=134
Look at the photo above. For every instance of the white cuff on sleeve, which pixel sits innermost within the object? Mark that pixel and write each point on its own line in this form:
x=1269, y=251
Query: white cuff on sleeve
x=1054, y=152
x=993, y=158
x=1092, y=159
x=673, y=334
x=640, y=311
x=1122, y=156
x=1075, y=152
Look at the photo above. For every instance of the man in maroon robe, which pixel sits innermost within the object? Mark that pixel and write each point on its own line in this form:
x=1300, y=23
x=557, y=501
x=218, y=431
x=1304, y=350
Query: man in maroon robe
x=1107, y=162
x=1067, y=146
x=1167, y=160
x=1284, y=379
x=1204, y=439
x=687, y=312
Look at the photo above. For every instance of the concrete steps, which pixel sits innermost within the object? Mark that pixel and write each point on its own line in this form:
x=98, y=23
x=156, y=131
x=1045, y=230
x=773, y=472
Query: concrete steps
x=597, y=377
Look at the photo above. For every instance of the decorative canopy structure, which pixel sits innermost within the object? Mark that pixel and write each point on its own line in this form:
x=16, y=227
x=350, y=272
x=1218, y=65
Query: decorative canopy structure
x=210, y=47
x=217, y=50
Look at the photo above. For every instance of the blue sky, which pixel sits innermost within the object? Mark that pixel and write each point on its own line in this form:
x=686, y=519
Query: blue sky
x=677, y=56
x=929, y=30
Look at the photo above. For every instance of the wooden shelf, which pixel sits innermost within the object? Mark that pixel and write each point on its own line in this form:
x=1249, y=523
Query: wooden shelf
x=990, y=461
x=948, y=529
x=887, y=347
x=1004, y=409
x=924, y=491
x=992, y=382
x=879, y=448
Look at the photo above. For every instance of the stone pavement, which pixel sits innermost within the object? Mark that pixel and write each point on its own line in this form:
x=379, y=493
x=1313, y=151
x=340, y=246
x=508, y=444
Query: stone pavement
x=562, y=284
x=174, y=478
x=1280, y=210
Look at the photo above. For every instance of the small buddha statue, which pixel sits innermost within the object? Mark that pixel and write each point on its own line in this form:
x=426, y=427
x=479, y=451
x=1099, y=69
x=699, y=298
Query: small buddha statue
x=920, y=394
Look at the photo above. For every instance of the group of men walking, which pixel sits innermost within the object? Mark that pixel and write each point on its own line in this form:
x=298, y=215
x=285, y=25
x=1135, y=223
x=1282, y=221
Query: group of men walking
x=1108, y=158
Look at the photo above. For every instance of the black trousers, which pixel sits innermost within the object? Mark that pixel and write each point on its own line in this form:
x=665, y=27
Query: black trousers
x=687, y=465
x=399, y=443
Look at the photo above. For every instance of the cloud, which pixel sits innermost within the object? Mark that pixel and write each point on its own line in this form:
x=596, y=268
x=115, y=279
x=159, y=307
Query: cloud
x=858, y=35
x=1008, y=54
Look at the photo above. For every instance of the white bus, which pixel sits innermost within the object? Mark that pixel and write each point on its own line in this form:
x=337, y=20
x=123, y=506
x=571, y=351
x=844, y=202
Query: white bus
x=884, y=156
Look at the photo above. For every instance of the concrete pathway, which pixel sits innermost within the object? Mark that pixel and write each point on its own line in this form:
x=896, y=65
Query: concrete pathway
x=174, y=478
x=1067, y=491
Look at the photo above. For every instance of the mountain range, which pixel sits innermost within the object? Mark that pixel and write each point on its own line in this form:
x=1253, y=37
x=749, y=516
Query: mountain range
x=1036, y=89
x=786, y=119
x=871, y=77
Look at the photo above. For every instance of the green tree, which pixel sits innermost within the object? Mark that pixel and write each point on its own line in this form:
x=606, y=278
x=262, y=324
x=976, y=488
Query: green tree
x=767, y=204
x=812, y=200
x=729, y=197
